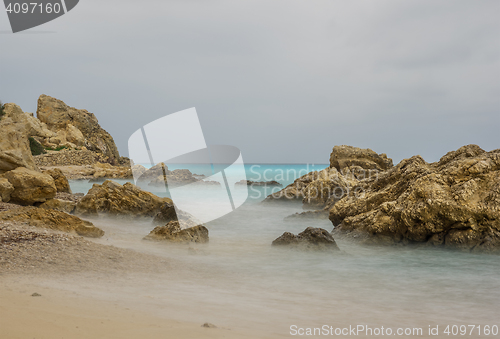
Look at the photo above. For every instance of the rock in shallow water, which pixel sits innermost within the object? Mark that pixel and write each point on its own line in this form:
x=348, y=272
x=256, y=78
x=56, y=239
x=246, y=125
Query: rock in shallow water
x=173, y=232
x=310, y=238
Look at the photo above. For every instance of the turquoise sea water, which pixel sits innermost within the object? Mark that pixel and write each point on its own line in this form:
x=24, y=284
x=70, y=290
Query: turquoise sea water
x=240, y=280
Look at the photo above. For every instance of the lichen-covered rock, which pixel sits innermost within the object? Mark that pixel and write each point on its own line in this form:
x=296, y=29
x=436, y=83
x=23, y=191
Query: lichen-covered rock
x=454, y=202
x=59, y=205
x=30, y=186
x=310, y=238
x=66, y=120
x=114, y=199
x=348, y=156
x=51, y=219
x=60, y=180
x=173, y=232
x=6, y=189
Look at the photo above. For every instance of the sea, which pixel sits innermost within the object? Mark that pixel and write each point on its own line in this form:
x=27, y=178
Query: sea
x=238, y=280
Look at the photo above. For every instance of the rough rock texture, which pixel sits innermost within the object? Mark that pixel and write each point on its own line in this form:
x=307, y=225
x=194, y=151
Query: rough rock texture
x=165, y=214
x=6, y=189
x=310, y=238
x=173, y=232
x=72, y=124
x=454, y=202
x=115, y=199
x=59, y=205
x=55, y=220
x=30, y=186
x=348, y=156
x=318, y=189
x=14, y=145
x=60, y=180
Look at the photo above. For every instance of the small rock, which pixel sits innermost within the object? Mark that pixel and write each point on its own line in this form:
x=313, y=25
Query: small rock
x=208, y=325
x=36, y=295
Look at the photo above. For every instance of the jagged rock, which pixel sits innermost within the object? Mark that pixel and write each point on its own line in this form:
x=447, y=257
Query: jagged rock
x=59, y=205
x=30, y=186
x=14, y=145
x=58, y=116
x=318, y=189
x=310, y=238
x=454, y=202
x=60, y=180
x=176, y=177
x=6, y=189
x=69, y=158
x=347, y=156
x=51, y=219
x=258, y=183
x=173, y=232
x=115, y=199
x=165, y=214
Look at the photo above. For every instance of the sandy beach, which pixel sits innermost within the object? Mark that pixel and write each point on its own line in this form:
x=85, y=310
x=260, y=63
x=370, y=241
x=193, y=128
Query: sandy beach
x=33, y=305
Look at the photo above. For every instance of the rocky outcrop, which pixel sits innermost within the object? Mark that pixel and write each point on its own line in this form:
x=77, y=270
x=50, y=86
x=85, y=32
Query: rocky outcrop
x=310, y=238
x=30, y=186
x=62, y=184
x=77, y=126
x=6, y=189
x=318, y=189
x=454, y=202
x=172, y=232
x=55, y=220
x=348, y=156
x=114, y=199
x=14, y=145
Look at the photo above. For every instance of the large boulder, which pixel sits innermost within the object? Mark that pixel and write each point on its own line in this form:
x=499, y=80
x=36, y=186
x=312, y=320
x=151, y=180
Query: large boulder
x=114, y=199
x=348, y=156
x=310, y=238
x=72, y=124
x=60, y=180
x=173, y=232
x=14, y=144
x=30, y=186
x=454, y=202
x=51, y=219
x=6, y=189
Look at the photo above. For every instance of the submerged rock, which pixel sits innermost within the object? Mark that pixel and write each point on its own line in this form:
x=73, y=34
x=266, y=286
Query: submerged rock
x=30, y=186
x=258, y=183
x=454, y=202
x=310, y=238
x=114, y=199
x=173, y=232
x=51, y=219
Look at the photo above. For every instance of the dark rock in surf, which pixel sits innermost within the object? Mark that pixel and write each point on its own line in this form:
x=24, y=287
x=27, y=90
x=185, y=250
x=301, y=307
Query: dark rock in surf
x=310, y=238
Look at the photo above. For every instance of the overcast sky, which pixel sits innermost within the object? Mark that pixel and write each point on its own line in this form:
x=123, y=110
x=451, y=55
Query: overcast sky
x=284, y=81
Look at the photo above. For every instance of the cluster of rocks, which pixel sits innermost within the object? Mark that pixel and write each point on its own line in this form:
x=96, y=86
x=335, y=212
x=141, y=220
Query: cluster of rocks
x=310, y=238
x=454, y=202
x=160, y=175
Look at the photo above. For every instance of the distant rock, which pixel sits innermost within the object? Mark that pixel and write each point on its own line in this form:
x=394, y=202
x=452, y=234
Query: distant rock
x=208, y=325
x=30, y=186
x=310, y=238
x=114, y=199
x=77, y=126
x=60, y=180
x=173, y=232
x=318, y=214
x=348, y=156
x=454, y=203
x=6, y=189
x=272, y=183
x=51, y=219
